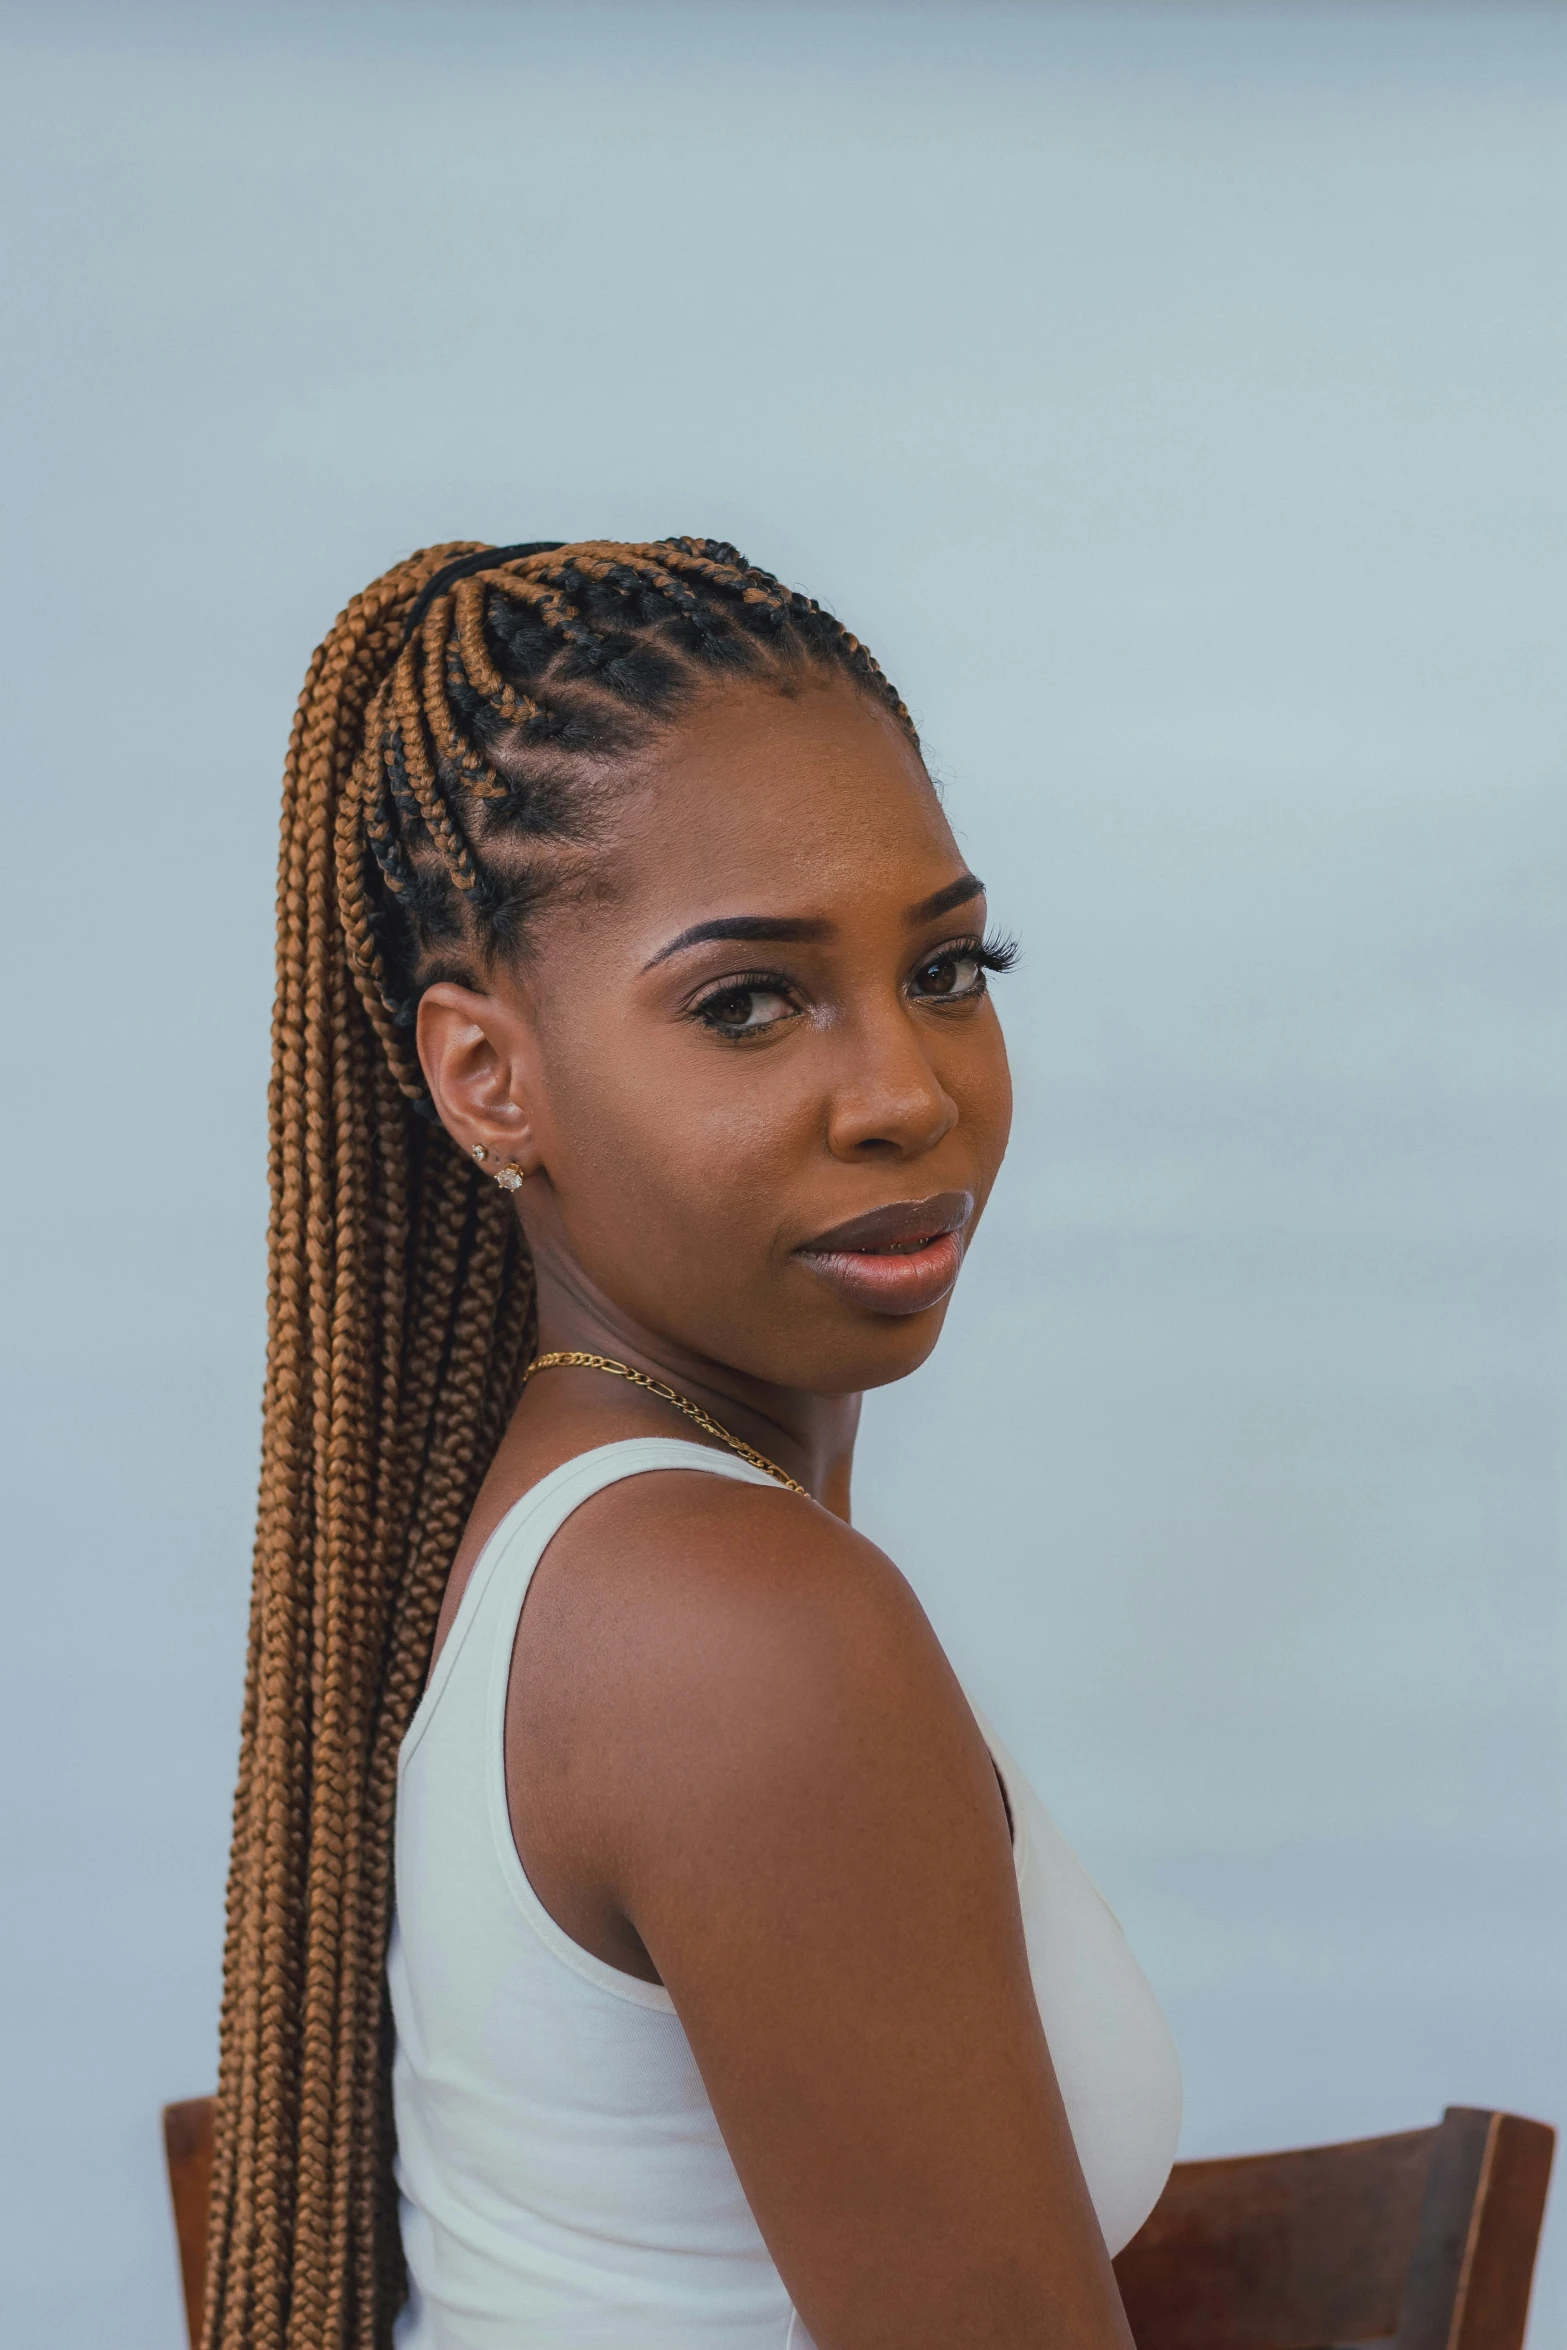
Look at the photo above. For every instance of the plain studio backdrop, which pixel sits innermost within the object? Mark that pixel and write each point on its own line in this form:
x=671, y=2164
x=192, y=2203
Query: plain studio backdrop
x=1174, y=398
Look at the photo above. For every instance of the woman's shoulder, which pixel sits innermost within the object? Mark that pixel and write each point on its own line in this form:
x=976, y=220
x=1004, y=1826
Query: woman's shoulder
x=727, y=1575
x=689, y=1629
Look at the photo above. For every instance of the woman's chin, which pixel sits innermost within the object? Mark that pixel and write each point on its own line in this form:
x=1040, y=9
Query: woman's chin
x=849, y=1350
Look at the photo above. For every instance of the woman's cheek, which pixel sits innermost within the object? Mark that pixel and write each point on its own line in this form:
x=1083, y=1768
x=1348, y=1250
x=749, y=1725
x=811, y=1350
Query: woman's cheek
x=983, y=1092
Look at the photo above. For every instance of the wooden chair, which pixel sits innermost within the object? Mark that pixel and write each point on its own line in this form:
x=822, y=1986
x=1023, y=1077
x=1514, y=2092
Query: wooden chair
x=187, y=2143
x=1425, y=2240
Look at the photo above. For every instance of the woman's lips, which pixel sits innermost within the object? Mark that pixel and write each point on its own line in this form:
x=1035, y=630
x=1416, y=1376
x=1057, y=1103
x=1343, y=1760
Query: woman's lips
x=896, y=1260
x=904, y=1283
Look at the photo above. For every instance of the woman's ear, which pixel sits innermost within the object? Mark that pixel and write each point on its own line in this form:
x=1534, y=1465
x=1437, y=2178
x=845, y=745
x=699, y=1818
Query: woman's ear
x=479, y=1062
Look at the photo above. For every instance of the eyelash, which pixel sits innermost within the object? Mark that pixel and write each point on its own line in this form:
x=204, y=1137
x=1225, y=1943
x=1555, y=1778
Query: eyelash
x=993, y=953
x=997, y=951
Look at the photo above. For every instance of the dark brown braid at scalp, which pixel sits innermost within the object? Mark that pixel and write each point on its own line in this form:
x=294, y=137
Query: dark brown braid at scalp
x=457, y=735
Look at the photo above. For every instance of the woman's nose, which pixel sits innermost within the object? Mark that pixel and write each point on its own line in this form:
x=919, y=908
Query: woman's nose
x=890, y=1101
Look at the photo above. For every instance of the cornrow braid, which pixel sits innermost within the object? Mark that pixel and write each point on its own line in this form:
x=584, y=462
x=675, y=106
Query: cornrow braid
x=451, y=740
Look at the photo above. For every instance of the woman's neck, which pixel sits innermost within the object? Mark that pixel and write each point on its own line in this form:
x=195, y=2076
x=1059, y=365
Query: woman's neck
x=810, y=1437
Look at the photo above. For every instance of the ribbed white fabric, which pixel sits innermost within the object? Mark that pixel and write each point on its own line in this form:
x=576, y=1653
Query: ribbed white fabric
x=564, y=2183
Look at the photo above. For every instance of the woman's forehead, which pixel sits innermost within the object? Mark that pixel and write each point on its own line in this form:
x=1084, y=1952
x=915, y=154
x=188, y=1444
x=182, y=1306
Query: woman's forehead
x=765, y=786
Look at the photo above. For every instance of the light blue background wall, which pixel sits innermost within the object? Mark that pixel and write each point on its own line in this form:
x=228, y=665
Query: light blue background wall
x=1175, y=397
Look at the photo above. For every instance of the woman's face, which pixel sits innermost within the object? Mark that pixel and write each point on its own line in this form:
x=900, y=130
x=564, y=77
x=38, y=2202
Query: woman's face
x=750, y=1066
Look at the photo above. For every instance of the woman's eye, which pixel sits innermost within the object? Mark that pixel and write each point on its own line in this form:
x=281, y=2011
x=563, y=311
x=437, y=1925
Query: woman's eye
x=745, y=1011
x=957, y=973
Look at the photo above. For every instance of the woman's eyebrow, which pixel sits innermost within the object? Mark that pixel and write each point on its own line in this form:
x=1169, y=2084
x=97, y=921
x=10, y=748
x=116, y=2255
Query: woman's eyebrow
x=807, y=929
x=800, y=928
x=942, y=901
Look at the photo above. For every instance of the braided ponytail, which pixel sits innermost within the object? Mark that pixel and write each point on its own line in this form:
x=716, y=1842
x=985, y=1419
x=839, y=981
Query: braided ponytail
x=428, y=785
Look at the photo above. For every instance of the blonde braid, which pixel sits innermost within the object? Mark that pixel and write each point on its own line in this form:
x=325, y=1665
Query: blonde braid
x=382, y=1391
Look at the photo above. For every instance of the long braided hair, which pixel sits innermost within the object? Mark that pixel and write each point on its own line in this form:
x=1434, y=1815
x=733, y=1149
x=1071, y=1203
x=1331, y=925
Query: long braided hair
x=456, y=733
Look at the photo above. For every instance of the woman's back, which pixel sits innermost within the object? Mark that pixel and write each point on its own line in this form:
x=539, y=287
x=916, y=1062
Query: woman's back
x=565, y=2179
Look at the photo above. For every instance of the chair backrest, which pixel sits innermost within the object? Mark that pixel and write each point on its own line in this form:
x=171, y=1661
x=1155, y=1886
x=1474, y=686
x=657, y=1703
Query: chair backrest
x=1425, y=2240
x=187, y=2142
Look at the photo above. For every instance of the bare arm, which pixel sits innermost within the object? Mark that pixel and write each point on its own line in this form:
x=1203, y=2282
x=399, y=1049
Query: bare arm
x=739, y=1758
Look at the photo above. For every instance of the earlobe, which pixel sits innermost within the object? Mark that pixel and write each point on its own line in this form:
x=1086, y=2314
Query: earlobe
x=511, y=1177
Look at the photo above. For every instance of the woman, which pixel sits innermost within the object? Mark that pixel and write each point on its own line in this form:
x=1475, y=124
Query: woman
x=637, y=1091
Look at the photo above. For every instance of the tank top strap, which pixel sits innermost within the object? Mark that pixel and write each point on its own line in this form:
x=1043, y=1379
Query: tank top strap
x=491, y=1605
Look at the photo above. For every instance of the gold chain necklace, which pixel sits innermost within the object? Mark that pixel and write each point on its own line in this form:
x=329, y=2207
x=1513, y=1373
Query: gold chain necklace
x=682, y=1403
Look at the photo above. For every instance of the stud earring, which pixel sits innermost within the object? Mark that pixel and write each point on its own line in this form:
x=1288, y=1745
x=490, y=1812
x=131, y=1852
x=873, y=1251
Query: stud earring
x=510, y=1176
x=479, y=1151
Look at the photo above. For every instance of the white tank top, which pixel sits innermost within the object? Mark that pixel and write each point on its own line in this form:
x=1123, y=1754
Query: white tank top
x=564, y=2182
